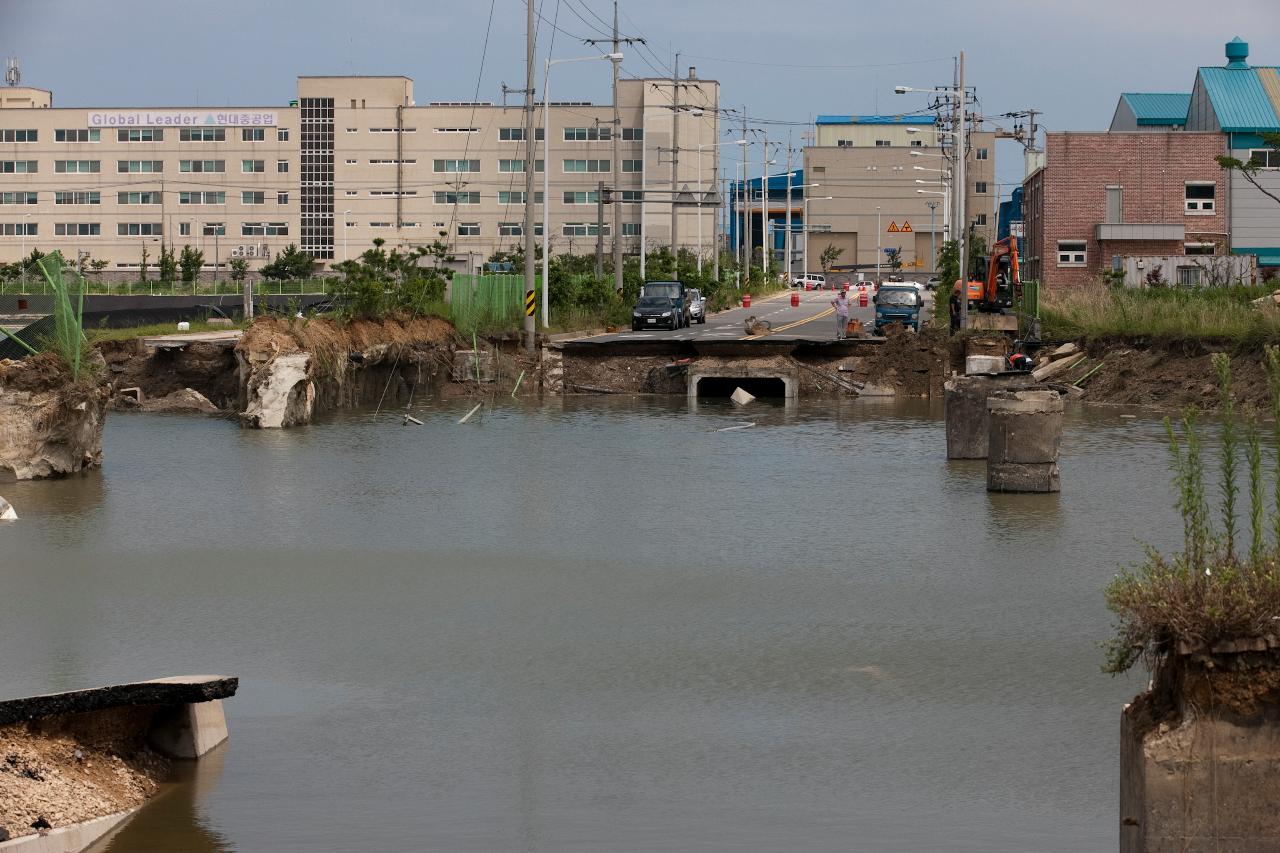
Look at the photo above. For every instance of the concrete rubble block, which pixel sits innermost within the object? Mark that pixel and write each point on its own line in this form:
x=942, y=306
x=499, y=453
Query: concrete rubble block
x=1053, y=368
x=870, y=390
x=469, y=364
x=980, y=364
x=1063, y=351
x=965, y=399
x=50, y=426
x=1024, y=438
x=741, y=397
x=7, y=512
x=280, y=392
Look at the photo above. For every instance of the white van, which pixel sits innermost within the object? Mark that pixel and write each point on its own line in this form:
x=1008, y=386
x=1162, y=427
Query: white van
x=813, y=282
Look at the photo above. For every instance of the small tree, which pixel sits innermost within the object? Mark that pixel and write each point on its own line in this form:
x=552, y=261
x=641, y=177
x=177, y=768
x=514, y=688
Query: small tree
x=168, y=263
x=290, y=264
x=239, y=269
x=143, y=266
x=97, y=266
x=190, y=261
x=894, y=257
x=829, y=256
x=1249, y=170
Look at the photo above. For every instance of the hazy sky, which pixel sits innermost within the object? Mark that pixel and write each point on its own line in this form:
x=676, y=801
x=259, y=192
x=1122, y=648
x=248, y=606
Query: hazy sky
x=1069, y=59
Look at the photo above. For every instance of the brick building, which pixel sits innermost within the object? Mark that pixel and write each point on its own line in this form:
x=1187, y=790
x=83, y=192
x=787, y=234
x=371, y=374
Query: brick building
x=1109, y=195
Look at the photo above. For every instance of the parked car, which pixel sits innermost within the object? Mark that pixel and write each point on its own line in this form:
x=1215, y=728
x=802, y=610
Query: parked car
x=674, y=290
x=898, y=303
x=697, y=306
x=810, y=281
x=932, y=284
x=654, y=312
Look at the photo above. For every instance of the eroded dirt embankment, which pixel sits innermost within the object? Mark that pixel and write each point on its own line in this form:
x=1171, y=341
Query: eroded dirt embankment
x=75, y=768
x=292, y=368
x=210, y=370
x=50, y=423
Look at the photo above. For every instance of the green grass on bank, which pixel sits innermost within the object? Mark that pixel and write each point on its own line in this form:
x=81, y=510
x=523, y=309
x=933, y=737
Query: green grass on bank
x=1223, y=315
x=126, y=333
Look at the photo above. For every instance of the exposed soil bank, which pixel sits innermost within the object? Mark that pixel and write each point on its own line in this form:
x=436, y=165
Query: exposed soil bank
x=75, y=768
x=210, y=370
x=291, y=369
x=1138, y=373
x=50, y=425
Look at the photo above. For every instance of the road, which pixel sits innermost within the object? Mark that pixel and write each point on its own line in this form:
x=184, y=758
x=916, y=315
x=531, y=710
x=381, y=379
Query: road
x=811, y=320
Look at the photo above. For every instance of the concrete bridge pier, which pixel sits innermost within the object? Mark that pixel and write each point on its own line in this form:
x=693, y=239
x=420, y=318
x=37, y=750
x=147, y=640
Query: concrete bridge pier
x=1024, y=440
x=965, y=400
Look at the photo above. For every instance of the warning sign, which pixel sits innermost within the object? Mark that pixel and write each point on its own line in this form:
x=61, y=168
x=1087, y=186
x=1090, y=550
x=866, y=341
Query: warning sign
x=893, y=228
x=906, y=227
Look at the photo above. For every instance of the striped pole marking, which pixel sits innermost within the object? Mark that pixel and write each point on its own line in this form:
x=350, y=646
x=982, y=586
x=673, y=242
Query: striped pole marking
x=530, y=303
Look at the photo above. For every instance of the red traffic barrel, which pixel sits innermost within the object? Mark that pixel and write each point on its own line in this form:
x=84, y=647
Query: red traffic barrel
x=862, y=299
x=795, y=300
x=746, y=300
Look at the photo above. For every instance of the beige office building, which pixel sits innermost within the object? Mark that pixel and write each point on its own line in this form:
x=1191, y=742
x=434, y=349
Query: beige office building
x=884, y=176
x=351, y=160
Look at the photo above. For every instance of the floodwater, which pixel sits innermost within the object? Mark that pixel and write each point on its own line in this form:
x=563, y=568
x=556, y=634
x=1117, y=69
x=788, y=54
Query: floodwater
x=601, y=625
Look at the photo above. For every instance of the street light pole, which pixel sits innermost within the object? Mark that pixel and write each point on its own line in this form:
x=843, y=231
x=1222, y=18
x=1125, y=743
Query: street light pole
x=879, y=250
x=530, y=281
x=933, y=236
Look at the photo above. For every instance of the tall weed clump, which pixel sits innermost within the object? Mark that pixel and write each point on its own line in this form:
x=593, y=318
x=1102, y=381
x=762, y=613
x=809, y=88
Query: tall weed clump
x=1215, y=588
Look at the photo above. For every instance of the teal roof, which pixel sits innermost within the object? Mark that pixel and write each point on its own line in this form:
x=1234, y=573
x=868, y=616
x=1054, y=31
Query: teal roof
x=1159, y=108
x=1239, y=99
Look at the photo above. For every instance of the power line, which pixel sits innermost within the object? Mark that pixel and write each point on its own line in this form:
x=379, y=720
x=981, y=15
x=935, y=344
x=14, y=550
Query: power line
x=819, y=67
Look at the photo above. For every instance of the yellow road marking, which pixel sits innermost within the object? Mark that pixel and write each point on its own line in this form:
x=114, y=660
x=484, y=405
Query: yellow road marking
x=824, y=313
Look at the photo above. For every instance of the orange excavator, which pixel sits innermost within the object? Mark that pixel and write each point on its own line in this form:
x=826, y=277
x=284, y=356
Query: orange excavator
x=1003, y=283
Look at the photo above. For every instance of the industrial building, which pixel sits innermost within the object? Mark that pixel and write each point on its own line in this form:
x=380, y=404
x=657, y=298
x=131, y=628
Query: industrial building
x=350, y=160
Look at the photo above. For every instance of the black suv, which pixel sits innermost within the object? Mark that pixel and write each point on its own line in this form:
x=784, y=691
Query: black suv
x=673, y=290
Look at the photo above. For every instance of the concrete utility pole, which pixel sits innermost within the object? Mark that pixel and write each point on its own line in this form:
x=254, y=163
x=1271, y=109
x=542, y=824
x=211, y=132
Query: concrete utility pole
x=786, y=238
x=675, y=164
x=764, y=210
x=746, y=201
x=961, y=231
x=615, y=170
x=530, y=281
x=715, y=236
x=599, y=229
x=933, y=236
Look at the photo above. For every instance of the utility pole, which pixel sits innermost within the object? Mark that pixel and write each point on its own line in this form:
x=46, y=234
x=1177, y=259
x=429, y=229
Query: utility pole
x=933, y=236
x=530, y=281
x=786, y=238
x=742, y=189
x=961, y=230
x=718, y=182
x=600, y=229
x=675, y=163
x=616, y=167
x=764, y=210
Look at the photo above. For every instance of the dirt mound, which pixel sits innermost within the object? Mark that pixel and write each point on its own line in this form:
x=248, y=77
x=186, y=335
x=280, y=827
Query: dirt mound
x=65, y=772
x=285, y=335
x=1168, y=378
x=211, y=370
x=36, y=373
x=915, y=364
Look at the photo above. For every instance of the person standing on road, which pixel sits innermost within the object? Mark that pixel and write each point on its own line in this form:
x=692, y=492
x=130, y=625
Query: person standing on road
x=954, y=305
x=842, y=315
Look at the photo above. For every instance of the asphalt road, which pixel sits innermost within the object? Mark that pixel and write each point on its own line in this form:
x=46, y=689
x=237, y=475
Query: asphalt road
x=811, y=320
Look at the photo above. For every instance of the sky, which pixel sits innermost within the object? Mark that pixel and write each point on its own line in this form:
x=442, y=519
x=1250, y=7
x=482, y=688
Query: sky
x=1069, y=60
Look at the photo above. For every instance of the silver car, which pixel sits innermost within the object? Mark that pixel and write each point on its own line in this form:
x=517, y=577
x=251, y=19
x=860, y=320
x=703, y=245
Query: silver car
x=697, y=306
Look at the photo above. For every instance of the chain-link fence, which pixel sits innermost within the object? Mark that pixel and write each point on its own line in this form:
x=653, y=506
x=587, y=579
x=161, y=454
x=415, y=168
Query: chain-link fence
x=487, y=303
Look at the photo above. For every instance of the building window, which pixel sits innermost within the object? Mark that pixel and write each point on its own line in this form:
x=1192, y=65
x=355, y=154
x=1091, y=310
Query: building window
x=194, y=197
x=138, y=198
x=392, y=193
x=387, y=130
x=917, y=143
x=253, y=134
x=630, y=196
x=282, y=134
x=518, y=165
x=77, y=166
x=446, y=197
x=510, y=229
x=282, y=165
x=1188, y=276
x=18, y=229
x=631, y=229
x=586, y=165
x=214, y=229
x=202, y=134
x=251, y=166
x=139, y=229
x=282, y=197
x=633, y=134
x=139, y=166
x=1198, y=248
x=1265, y=158
x=633, y=166
x=1071, y=253
x=24, y=198
x=18, y=167
x=202, y=165
x=516, y=134
x=600, y=133
x=517, y=197
x=264, y=229
x=184, y=229
x=18, y=135
x=980, y=154
x=77, y=229
x=457, y=129
x=582, y=229
x=352, y=162
x=140, y=134
x=592, y=197
x=883, y=143
x=468, y=229
x=76, y=197
x=391, y=162
x=1199, y=197
x=980, y=220
x=456, y=166
x=253, y=197
x=78, y=134
x=980, y=187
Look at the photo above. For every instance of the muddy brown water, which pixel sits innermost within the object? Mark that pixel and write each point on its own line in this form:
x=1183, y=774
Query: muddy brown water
x=600, y=625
